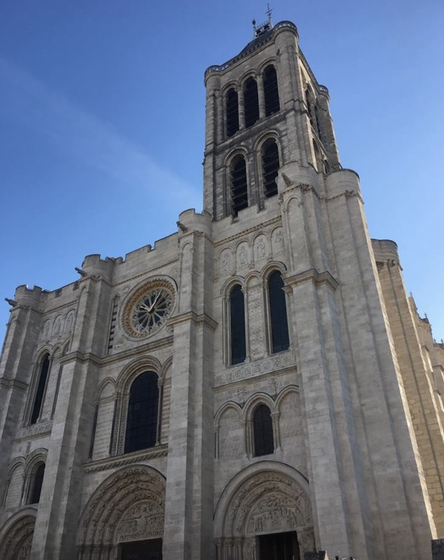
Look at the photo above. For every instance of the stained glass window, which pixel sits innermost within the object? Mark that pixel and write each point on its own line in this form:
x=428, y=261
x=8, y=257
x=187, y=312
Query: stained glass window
x=263, y=431
x=237, y=320
x=40, y=391
x=278, y=313
x=37, y=483
x=141, y=425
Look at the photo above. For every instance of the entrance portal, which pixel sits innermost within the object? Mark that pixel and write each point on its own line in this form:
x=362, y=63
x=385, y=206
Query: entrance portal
x=279, y=546
x=142, y=550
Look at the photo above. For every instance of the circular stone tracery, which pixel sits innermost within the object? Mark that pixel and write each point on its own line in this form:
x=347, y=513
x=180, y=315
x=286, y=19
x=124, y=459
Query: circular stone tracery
x=149, y=308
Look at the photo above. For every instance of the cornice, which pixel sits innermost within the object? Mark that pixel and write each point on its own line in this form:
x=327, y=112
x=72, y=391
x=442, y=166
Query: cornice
x=191, y=316
x=13, y=384
x=318, y=279
x=131, y=352
x=123, y=460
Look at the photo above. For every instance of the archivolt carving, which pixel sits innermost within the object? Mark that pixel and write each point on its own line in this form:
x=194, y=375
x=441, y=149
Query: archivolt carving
x=127, y=506
x=265, y=502
x=16, y=544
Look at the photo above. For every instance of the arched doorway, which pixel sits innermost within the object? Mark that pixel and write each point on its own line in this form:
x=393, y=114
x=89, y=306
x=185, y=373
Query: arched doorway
x=265, y=514
x=16, y=537
x=124, y=518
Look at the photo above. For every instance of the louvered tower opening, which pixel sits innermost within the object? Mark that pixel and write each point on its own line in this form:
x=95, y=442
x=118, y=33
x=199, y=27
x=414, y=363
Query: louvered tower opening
x=232, y=112
x=271, y=92
x=239, y=193
x=251, y=102
x=270, y=167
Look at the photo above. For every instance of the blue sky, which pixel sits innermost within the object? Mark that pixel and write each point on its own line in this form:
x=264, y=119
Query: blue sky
x=102, y=123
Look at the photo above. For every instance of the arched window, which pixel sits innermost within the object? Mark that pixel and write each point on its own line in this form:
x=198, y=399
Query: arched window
x=251, y=102
x=237, y=325
x=270, y=167
x=271, y=92
x=40, y=390
x=278, y=313
x=36, y=483
x=263, y=431
x=239, y=192
x=232, y=112
x=143, y=407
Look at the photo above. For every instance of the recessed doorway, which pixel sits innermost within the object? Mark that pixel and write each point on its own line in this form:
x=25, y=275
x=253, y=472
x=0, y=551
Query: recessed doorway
x=142, y=550
x=279, y=546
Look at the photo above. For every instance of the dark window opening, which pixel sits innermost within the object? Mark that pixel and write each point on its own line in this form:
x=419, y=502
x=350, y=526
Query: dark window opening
x=310, y=106
x=326, y=167
x=270, y=167
x=143, y=406
x=37, y=483
x=237, y=322
x=239, y=192
x=271, y=92
x=278, y=313
x=38, y=400
x=251, y=102
x=232, y=112
x=263, y=431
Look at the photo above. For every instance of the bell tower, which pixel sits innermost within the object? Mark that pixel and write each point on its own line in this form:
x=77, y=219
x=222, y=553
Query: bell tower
x=281, y=202
x=264, y=110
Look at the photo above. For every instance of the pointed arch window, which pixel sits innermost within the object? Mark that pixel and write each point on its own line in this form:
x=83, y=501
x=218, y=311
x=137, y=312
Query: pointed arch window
x=232, y=112
x=237, y=325
x=143, y=412
x=270, y=167
x=263, y=431
x=251, y=102
x=40, y=389
x=239, y=191
x=278, y=313
x=271, y=92
x=36, y=483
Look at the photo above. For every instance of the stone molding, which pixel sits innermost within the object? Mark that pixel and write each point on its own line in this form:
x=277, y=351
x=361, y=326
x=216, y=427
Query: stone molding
x=13, y=384
x=246, y=232
x=270, y=364
x=318, y=278
x=35, y=430
x=191, y=316
x=124, y=460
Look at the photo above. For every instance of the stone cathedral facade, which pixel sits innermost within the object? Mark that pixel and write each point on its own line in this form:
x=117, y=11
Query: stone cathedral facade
x=256, y=386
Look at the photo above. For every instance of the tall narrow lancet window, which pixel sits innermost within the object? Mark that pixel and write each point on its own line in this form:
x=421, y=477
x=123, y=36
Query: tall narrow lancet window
x=251, y=102
x=239, y=191
x=278, y=313
x=143, y=407
x=36, y=484
x=271, y=92
x=232, y=112
x=40, y=390
x=270, y=167
x=263, y=431
x=237, y=325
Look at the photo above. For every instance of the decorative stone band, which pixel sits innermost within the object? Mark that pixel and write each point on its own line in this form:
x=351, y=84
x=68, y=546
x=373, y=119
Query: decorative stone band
x=124, y=460
x=254, y=369
x=318, y=278
x=40, y=429
x=191, y=316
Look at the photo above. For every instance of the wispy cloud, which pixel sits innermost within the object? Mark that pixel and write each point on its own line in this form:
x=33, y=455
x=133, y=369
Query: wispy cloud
x=82, y=135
